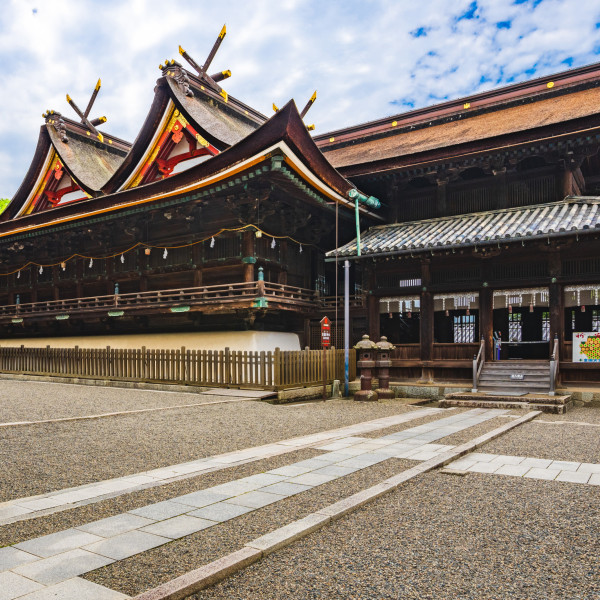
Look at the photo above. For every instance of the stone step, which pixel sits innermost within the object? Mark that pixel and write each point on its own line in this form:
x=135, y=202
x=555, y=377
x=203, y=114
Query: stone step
x=516, y=367
x=515, y=385
x=507, y=376
x=557, y=409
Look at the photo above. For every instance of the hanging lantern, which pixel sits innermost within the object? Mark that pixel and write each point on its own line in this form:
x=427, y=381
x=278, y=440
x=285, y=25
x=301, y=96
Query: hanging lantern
x=583, y=308
x=63, y=265
x=510, y=309
x=531, y=308
x=165, y=254
x=468, y=312
x=91, y=263
x=147, y=251
x=122, y=259
x=212, y=242
x=447, y=313
x=258, y=233
x=409, y=314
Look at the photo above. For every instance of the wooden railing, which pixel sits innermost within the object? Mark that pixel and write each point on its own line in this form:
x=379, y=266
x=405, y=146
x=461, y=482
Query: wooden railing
x=478, y=362
x=206, y=295
x=454, y=351
x=271, y=370
x=407, y=352
x=554, y=366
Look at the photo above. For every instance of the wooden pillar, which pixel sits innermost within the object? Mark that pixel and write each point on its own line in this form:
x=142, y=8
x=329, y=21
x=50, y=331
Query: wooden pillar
x=247, y=254
x=440, y=196
x=110, y=275
x=306, y=341
x=501, y=188
x=79, y=277
x=486, y=321
x=426, y=323
x=374, y=318
x=197, y=260
x=34, y=284
x=556, y=300
x=55, y=287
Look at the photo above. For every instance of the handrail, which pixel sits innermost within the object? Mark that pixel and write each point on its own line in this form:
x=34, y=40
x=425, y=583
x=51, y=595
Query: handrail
x=477, y=367
x=219, y=294
x=554, y=366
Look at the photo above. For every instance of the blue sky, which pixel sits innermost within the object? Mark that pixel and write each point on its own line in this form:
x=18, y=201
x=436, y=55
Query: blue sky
x=367, y=59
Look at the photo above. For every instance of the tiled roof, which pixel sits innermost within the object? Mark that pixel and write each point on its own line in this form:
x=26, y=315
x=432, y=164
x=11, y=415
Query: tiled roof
x=571, y=215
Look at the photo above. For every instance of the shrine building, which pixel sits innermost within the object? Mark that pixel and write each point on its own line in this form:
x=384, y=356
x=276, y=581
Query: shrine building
x=479, y=220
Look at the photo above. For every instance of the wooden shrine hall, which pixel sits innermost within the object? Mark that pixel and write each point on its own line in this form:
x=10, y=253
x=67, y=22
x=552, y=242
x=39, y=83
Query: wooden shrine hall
x=215, y=218
x=479, y=219
x=492, y=234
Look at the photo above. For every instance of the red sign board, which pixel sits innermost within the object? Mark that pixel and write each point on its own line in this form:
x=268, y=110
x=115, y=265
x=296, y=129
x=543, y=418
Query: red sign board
x=325, y=332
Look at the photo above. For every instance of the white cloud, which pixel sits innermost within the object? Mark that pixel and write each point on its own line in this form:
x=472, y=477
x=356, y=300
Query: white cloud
x=359, y=55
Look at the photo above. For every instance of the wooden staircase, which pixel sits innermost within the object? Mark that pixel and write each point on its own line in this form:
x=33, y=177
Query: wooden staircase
x=513, y=384
x=515, y=376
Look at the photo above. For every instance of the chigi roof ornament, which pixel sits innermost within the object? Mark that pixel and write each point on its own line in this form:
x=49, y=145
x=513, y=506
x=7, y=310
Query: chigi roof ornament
x=91, y=125
x=209, y=80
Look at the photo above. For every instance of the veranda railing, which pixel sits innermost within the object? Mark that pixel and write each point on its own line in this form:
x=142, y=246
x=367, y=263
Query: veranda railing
x=220, y=368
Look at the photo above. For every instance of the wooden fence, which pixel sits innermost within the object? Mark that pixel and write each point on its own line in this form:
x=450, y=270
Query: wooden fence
x=214, y=368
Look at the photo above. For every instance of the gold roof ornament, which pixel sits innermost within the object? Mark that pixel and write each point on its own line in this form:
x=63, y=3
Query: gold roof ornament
x=91, y=125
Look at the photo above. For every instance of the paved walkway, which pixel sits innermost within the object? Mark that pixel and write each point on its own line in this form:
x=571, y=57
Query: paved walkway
x=39, y=569
x=533, y=468
x=49, y=566
x=34, y=506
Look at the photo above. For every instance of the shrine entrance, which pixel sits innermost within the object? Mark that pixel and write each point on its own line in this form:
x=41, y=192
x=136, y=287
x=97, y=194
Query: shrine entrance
x=521, y=324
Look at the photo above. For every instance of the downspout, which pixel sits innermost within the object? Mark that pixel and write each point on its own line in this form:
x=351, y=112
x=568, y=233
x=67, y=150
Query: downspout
x=369, y=201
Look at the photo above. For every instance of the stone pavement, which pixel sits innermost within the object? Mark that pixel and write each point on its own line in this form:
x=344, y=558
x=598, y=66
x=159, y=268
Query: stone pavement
x=33, y=569
x=49, y=566
x=533, y=468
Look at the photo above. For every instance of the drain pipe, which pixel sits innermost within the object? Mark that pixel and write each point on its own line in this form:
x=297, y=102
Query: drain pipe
x=369, y=201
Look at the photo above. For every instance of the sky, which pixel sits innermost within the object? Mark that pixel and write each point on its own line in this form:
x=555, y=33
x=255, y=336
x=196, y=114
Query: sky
x=367, y=59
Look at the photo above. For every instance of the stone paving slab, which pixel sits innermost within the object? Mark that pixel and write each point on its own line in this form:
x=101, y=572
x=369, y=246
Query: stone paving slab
x=57, y=543
x=11, y=557
x=161, y=510
x=126, y=544
x=221, y=511
x=75, y=589
x=15, y=586
x=255, y=499
x=112, y=526
x=178, y=527
x=62, y=566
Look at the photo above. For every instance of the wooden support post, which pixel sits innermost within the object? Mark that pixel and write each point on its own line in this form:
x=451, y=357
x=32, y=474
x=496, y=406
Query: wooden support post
x=55, y=288
x=374, y=317
x=426, y=333
x=79, y=277
x=556, y=301
x=501, y=188
x=440, y=196
x=248, y=253
x=486, y=321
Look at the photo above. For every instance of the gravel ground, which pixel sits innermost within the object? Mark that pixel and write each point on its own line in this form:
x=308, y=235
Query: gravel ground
x=442, y=537
x=37, y=401
x=141, y=572
x=37, y=459
x=25, y=530
x=585, y=414
x=579, y=443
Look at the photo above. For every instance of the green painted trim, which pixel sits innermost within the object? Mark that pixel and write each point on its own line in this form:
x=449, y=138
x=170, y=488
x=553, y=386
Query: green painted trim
x=260, y=303
x=179, y=309
x=17, y=320
x=62, y=317
x=116, y=313
x=249, y=260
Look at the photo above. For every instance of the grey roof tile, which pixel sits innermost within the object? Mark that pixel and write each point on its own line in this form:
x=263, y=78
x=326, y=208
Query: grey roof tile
x=573, y=214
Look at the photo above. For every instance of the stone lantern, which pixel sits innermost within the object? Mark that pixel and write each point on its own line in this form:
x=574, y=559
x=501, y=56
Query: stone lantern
x=367, y=351
x=383, y=362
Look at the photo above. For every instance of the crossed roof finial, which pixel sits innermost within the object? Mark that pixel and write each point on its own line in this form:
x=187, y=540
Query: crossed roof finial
x=84, y=115
x=210, y=80
x=310, y=102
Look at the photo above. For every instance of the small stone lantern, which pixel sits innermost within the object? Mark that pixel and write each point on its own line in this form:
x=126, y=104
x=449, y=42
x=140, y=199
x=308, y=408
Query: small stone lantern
x=383, y=362
x=366, y=362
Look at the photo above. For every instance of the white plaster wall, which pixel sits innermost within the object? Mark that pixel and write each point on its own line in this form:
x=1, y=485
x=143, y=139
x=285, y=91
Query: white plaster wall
x=209, y=340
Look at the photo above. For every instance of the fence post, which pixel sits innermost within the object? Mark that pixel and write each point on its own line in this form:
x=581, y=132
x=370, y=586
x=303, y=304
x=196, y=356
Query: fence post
x=226, y=366
x=277, y=367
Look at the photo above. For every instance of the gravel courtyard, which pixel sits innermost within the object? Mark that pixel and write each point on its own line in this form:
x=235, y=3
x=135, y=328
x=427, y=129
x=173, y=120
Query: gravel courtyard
x=439, y=535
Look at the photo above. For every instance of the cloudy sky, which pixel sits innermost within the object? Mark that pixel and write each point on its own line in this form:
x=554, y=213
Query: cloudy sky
x=367, y=59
